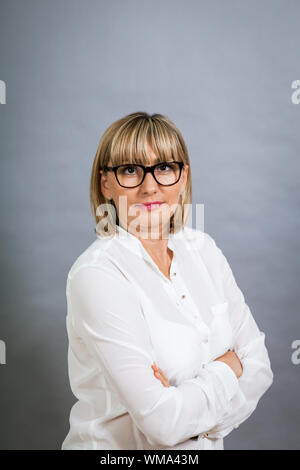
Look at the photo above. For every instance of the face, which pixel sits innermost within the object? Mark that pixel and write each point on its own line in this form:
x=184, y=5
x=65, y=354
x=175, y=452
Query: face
x=141, y=220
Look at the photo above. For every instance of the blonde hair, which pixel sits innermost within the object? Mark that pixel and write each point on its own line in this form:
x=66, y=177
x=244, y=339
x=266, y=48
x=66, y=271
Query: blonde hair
x=125, y=142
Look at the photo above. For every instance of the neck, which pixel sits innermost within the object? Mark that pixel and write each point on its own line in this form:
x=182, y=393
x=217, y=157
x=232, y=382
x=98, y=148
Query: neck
x=156, y=243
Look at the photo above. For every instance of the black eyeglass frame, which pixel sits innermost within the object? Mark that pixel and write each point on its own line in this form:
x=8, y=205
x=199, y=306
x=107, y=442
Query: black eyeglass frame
x=146, y=169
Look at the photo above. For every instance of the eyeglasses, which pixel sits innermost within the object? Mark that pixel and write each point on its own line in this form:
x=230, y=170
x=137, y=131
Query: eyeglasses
x=132, y=175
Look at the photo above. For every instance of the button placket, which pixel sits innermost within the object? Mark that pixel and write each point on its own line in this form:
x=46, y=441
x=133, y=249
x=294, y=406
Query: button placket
x=184, y=301
x=178, y=283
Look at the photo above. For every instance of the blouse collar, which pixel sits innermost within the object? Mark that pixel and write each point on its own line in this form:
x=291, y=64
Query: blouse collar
x=134, y=244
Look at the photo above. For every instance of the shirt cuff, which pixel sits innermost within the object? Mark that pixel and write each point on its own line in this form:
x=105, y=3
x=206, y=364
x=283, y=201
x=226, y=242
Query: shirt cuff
x=226, y=375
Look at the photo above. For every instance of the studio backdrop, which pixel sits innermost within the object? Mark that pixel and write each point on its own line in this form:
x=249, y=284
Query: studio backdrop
x=227, y=73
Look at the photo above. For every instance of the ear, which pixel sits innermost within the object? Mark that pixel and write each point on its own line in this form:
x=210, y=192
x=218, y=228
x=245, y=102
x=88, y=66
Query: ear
x=186, y=170
x=184, y=178
x=104, y=184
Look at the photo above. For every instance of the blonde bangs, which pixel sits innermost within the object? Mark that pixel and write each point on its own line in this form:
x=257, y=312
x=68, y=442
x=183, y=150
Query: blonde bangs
x=129, y=144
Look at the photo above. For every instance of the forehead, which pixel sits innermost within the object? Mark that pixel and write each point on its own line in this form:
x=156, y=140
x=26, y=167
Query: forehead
x=152, y=160
x=152, y=157
x=142, y=150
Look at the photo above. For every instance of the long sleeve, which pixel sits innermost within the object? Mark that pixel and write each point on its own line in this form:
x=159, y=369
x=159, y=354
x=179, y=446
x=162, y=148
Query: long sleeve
x=249, y=345
x=107, y=315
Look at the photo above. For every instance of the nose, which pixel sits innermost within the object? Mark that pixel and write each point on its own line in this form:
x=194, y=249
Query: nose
x=149, y=185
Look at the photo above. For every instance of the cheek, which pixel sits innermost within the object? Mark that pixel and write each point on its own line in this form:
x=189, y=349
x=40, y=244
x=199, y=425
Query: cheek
x=127, y=202
x=173, y=199
x=122, y=198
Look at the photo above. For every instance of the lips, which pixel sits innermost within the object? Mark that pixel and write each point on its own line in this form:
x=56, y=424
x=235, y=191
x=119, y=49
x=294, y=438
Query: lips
x=150, y=205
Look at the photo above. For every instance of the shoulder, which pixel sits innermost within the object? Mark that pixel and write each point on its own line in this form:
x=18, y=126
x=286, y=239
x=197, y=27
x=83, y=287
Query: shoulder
x=96, y=283
x=203, y=244
x=210, y=252
x=94, y=257
x=199, y=240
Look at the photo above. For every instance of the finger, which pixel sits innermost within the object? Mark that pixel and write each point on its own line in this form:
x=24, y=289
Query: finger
x=166, y=383
x=164, y=379
x=160, y=377
x=163, y=374
x=159, y=374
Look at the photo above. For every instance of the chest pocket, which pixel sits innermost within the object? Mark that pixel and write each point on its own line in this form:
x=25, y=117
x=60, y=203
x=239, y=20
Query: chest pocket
x=221, y=330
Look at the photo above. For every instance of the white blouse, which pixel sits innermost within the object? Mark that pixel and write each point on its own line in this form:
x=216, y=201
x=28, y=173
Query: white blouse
x=124, y=314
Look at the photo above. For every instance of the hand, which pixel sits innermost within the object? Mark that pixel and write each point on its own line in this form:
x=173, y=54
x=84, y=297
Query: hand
x=232, y=359
x=158, y=373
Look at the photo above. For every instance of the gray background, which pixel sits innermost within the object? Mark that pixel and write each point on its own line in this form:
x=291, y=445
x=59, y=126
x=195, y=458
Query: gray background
x=222, y=72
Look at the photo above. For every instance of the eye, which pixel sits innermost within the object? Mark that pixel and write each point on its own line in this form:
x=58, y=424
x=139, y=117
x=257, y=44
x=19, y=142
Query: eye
x=128, y=170
x=164, y=167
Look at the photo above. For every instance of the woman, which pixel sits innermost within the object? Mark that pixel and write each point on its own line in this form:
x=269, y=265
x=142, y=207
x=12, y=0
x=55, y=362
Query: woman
x=164, y=353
